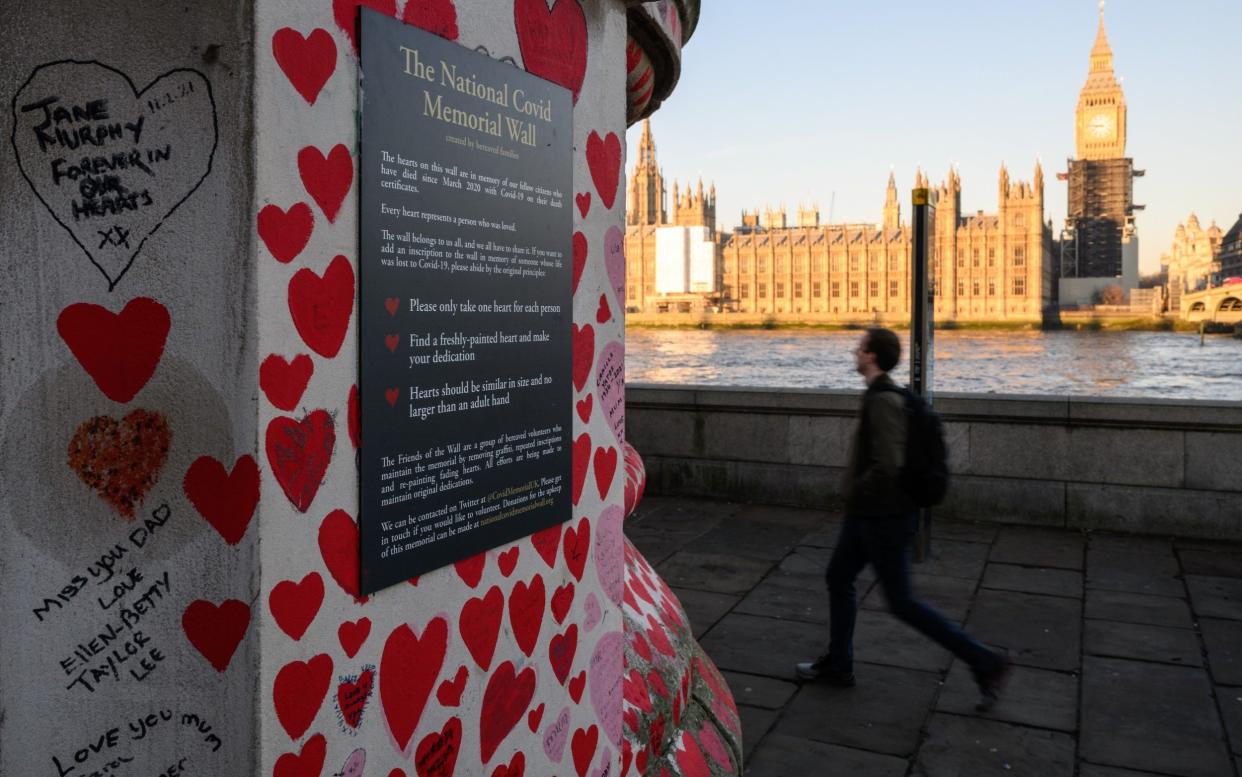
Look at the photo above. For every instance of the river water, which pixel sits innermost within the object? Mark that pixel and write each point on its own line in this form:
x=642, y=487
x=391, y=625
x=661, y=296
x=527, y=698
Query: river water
x=1114, y=364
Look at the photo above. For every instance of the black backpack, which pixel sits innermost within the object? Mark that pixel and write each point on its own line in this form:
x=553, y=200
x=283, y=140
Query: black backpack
x=925, y=475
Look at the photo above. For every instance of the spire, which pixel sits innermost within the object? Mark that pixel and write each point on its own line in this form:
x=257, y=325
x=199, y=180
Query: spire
x=1101, y=52
x=1039, y=178
x=646, y=146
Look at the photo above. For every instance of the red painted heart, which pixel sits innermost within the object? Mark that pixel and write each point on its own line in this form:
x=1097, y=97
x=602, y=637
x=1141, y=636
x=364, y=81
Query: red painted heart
x=479, y=625
x=584, y=353
x=321, y=306
x=216, y=631
x=352, y=634
x=604, y=160
x=436, y=754
x=352, y=413
x=352, y=697
x=438, y=17
x=120, y=351
x=577, y=547
x=605, y=468
x=582, y=745
x=579, y=259
x=505, y=700
x=121, y=460
x=284, y=382
x=299, y=453
x=583, y=201
x=295, y=605
x=584, y=408
x=338, y=544
x=515, y=768
x=391, y=396
x=553, y=41
x=546, y=542
x=391, y=342
x=562, y=600
x=561, y=652
x=534, y=717
x=390, y=304
x=307, y=62
x=470, y=570
x=299, y=691
x=307, y=763
x=603, y=312
x=285, y=233
x=580, y=463
x=327, y=178
x=508, y=560
x=449, y=692
x=576, y=685
x=226, y=500
x=409, y=667
x=526, y=605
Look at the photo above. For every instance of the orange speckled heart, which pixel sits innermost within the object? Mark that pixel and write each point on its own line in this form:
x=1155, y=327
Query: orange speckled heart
x=121, y=460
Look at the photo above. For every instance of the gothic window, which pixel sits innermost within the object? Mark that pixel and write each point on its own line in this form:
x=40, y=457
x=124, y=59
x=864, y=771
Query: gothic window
x=763, y=290
x=855, y=262
x=1019, y=256
x=798, y=289
x=1019, y=220
x=991, y=257
x=873, y=262
x=991, y=288
x=974, y=257
x=745, y=264
x=853, y=288
x=819, y=263
x=836, y=262
x=763, y=264
x=893, y=262
x=961, y=288
x=1019, y=286
x=974, y=288
x=892, y=288
x=961, y=257
x=817, y=289
x=782, y=264
x=873, y=289
x=836, y=288
x=745, y=290
x=780, y=290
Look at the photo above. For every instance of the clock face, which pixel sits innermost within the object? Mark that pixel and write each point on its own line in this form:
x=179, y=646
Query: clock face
x=1100, y=125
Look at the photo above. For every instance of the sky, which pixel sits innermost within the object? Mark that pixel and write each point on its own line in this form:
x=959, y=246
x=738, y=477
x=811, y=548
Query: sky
x=817, y=100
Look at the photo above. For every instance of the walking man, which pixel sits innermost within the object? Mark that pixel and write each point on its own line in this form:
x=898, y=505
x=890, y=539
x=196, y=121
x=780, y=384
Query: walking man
x=880, y=522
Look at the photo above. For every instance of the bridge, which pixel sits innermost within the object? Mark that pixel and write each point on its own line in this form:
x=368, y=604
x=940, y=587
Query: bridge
x=1222, y=304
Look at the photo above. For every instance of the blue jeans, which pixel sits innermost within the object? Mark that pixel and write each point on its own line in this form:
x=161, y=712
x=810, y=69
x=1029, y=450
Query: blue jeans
x=884, y=542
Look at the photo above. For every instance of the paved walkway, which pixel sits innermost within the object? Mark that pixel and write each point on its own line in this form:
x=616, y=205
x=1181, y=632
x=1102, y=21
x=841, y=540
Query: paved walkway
x=1127, y=650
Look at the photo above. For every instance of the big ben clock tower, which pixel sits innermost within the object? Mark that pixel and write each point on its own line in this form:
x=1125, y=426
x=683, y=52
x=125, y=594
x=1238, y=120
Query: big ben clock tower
x=1100, y=240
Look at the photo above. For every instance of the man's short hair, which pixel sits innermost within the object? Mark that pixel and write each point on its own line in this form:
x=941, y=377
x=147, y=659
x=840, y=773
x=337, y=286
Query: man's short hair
x=886, y=347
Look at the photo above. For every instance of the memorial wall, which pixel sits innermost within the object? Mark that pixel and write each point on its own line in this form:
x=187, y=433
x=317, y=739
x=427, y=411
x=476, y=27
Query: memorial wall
x=312, y=397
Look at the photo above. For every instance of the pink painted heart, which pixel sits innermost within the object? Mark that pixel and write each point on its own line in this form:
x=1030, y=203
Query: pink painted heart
x=610, y=385
x=614, y=263
x=556, y=736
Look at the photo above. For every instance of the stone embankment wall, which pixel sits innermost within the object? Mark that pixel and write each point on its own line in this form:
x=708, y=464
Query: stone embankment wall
x=1145, y=466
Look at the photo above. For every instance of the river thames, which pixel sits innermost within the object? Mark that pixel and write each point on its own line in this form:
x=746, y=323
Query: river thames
x=1112, y=364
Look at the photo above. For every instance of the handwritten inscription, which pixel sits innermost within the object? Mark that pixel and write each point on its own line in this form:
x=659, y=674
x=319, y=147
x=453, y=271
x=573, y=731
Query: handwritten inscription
x=111, y=751
x=110, y=162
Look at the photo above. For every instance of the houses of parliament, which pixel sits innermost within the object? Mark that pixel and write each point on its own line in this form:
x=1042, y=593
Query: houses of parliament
x=998, y=266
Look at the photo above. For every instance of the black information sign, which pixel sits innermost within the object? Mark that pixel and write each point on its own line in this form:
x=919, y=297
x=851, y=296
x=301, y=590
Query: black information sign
x=464, y=302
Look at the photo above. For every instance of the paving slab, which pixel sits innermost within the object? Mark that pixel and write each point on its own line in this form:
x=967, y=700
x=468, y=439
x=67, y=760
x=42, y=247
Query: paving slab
x=749, y=539
x=1150, y=716
x=1216, y=564
x=719, y=572
x=1038, y=547
x=824, y=535
x=777, y=515
x=1096, y=770
x=755, y=724
x=789, y=599
x=1138, y=608
x=1032, y=697
x=952, y=596
x=957, y=746
x=1039, y=631
x=883, y=713
x=1033, y=580
x=1230, y=701
x=952, y=558
x=1223, y=640
x=1215, y=597
x=657, y=546
x=766, y=646
x=1142, y=573
x=963, y=530
x=808, y=565
x=785, y=756
x=704, y=608
x=759, y=691
x=1142, y=642
x=1129, y=543
x=881, y=638
x=682, y=513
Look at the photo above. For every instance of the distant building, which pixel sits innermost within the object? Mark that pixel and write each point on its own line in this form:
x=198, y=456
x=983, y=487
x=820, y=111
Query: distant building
x=993, y=266
x=1099, y=245
x=1230, y=257
x=1192, y=262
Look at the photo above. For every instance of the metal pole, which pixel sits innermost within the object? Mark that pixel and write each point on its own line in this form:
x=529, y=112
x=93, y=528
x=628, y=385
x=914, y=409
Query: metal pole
x=921, y=329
